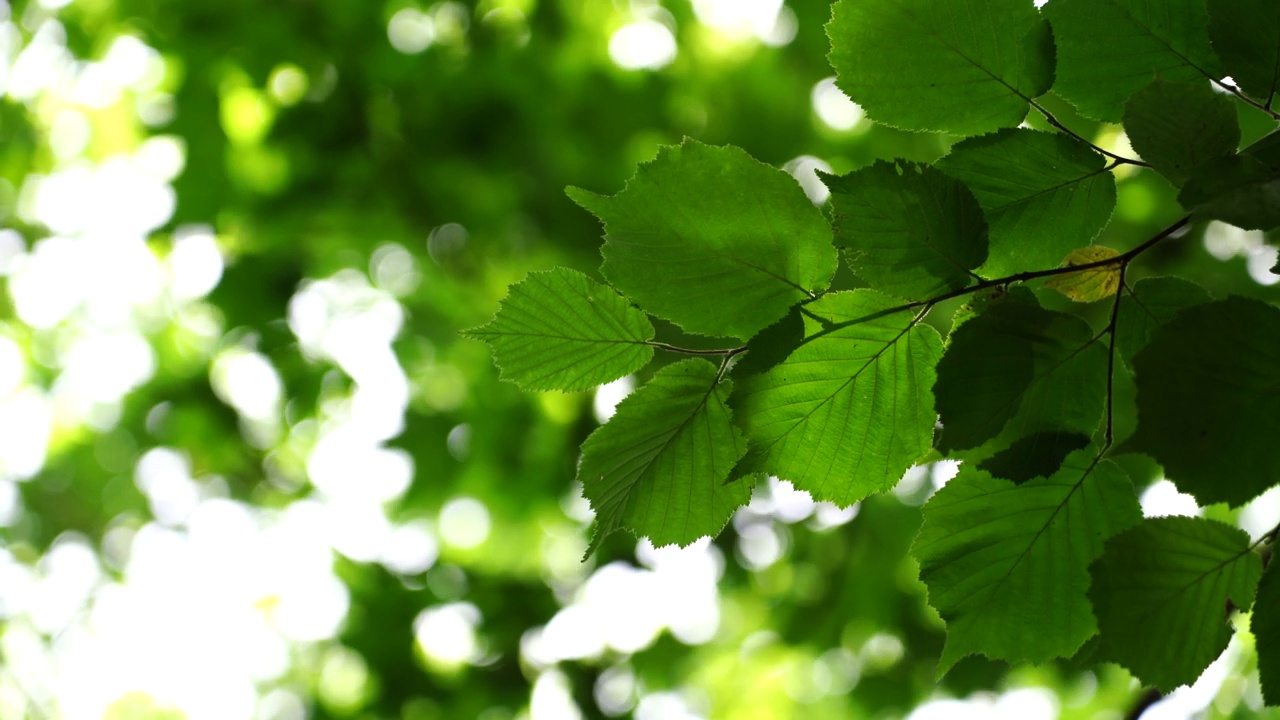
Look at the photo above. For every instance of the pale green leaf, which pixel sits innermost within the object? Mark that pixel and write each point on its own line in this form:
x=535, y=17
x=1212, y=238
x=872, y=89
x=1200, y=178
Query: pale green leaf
x=848, y=408
x=962, y=68
x=1177, y=127
x=713, y=240
x=1007, y=565
x=1091, y=284
x=560, y=330
x=1208, y=392
x=1246, y=34
x=1017, y=369
x=1110, y=49
x=658, y=467
x=1161, y=592
x=909, y=229
x=1044, y=195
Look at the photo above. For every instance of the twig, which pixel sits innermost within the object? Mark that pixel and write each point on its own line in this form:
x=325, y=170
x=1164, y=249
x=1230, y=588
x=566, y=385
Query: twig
x=1120, y=159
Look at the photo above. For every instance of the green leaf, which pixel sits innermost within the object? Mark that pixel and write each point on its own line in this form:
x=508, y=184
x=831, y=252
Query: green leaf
x=1161, y=591
x=1109, y=49
x=962, y=68
x=1044, y=195
x=1243, y=190
x=561, y=330
x=1265, y=625
x=1151, y=303
x=1176, y=127
x=713, y=240
x=1015, y=370
x=909, y=229
x=1208, y=390
x=1007, y=565
x=658, y=467
x=1246, y=34
x=849, y=409
x=1038, y=455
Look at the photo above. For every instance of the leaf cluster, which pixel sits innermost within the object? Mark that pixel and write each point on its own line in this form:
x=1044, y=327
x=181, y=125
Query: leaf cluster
x=1037, y=549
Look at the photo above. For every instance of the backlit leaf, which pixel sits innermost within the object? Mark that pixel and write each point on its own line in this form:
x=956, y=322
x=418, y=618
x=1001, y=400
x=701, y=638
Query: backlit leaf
x=560, y=330
x=1265, y=624
x=909, y=229
x=1044, y=194
x=1152, y=302
x=1007, y=565
x=1246, y=35
x=1092, y=284
x=1208, y=393
x=1177, y=127
x=963, y=68
x=849, y=409
x=1161, y=592
x=1110, y=49
x=713, y=240
x=658, y=467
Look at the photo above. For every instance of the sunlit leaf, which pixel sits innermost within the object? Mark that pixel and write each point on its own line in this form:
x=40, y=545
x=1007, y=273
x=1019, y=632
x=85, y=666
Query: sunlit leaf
x=1110, y=49
x=1208, y=389
x=963, y=68
x=1162, y=591
x=713, y=240
x=849, y=409
x=1007, y=565
x=1091, y=284
x=1177, y=127
x=560, y=330
x=1044, y=194
x=658, y=467
x=909, y=229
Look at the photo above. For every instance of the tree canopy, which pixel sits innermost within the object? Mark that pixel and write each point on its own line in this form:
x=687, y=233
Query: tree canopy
x=664, y=359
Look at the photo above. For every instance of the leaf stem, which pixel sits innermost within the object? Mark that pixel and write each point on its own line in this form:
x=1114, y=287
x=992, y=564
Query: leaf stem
x=1120, y=159
x=727, y=352
x=1264, y=107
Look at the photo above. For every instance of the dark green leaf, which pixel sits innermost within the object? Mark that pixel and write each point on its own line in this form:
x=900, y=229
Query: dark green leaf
x=1044, y=195
x=909, y=229
x=1152, y=302
x=1176, y=127
x=1008, y=566
x=658, y=467
x=963, y=68
x=560, y=330
x=713, y=240
x=1038, y=455
x=1208, y=393
x=1243, y=190
x=1016, y=370
x=849, y=410
x=1265, y=625
x=1246, y=34
x=1109, y=49
x=1161, y=592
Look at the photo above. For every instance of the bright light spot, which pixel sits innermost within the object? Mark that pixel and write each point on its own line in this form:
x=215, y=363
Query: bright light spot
x=609, y=395
x=1190, y=701
x=789, y=504
x=395, y=270
x=164, y=476
x=1261, y=514
x=666, y=706
x=26, y=421
x=411, y=31
x=912, y=482
x=833, y=107
x=459, y=441
x=104, y=367
x=344, y=680
x=943, y=471
x=803, y=170
x=195, y=263
x=464, y=523
x=69, y=134
x=759, y=545
x=741, y=18
x=447, y=241
x=346, y=464
x=828, y=515
x=642, y=45
x=161, y=157
x=447, y=633
x=10, y=503
x=13, y=366
x=1261, y=260
x=552, y=698
x=69, y=575
x=12, y=247
x=615, y=690
x=288, y=84
x=574, y=633
x=1162, y=498
x=785, y=27
x=248, y=382
x=882, y=650
x=133, y=64
x=1225, y=241
x=410, y=549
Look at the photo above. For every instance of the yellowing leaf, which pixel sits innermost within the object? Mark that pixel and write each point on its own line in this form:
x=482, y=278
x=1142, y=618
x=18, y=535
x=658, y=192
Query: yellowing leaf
x=1092, y=284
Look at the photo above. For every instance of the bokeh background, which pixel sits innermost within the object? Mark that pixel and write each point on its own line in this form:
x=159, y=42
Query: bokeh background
x=249, y=469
